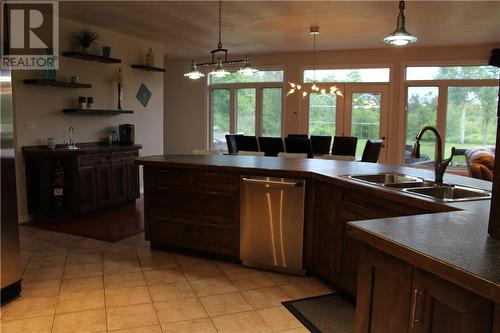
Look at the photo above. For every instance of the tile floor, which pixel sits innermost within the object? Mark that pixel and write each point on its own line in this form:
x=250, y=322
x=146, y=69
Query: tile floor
x=76, y=284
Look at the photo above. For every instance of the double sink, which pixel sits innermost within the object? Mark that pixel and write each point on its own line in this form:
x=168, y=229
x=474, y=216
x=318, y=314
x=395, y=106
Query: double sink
x=420, y=186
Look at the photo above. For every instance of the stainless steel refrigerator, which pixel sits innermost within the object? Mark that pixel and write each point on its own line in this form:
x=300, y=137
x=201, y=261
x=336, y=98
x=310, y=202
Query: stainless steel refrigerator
x=10, y=255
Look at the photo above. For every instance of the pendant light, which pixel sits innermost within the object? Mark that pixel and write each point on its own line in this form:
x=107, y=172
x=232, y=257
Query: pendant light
x=314, y=87
x=219, y=59
x=400, y=37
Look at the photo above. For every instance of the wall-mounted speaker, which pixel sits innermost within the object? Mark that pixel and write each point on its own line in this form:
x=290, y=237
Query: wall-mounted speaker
x=495, y=58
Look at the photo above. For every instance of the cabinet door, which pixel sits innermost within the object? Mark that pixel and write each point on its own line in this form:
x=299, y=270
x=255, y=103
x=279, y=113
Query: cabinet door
x=104, y=191
x=383, y=299
x=119, y=174
x=86, y=188
x=133, y=191
x=439, y=306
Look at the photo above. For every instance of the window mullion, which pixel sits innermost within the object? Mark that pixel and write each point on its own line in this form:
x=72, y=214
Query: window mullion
x=232, y=111
x=258, y=111
x=441, y=108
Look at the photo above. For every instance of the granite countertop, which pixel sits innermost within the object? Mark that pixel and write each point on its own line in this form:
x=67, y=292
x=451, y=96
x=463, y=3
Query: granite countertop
x=452, y=243
x=83, y=148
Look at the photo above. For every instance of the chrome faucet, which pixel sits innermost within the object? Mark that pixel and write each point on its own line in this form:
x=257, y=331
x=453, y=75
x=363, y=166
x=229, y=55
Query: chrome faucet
x=72, y=143
x=440, y=165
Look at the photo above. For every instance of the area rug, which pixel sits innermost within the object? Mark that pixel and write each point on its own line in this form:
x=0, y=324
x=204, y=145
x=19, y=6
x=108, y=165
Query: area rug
x=324, y=314
x=111, y=224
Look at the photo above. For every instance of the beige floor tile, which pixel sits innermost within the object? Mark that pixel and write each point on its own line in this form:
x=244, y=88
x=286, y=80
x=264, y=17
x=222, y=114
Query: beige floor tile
x=124, y=280
x=224, y=304
x=81, y=259
x=307, y=289
x=50, y=261
x=144, y=329
x=164, y=276
x=158, y=262
x=234, y=269
x=241, y=322
x=190, y=260
x=203, y=325
x=251, y=280
x=296, y=330
x=212, y=286
x=42, y=288
x=200, y=272
x=26, y=307
x=80, y=322
x=43, y=274
x=131, y=316
x=80, y=301
x=121, y=266
x=127, y=296
x=119, y=253
x=149, y=252
x=171, y=291
x=279, y=318
x=31, y=325
x=179, y=310
x=284, y=279
x=265, y=297
x=82, y=284
x=84, y=270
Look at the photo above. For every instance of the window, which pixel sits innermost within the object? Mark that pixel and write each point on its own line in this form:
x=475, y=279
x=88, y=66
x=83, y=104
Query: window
x=250, y=105
x=366, y=110
x=460, y=101
x=347, y=75
x=322, y=114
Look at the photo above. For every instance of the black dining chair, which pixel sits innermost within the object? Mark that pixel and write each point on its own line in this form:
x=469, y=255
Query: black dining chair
x=371, y=153
x=246, y=143
x=231, y=143
x=344, y=145
x=271, y=146
x=299, y=145
x=298, y=136
x=321, y=144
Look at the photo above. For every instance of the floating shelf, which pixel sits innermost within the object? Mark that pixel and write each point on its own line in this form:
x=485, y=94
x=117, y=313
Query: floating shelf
x=91, y=57
x=149, y=68
x=54, y=83
x=97, y=112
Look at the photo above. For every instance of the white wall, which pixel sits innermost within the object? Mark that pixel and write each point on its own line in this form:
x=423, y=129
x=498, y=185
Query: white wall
x=186, y=112
x=43, y=105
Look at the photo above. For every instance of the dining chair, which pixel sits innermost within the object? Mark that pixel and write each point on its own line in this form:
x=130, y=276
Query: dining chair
x=321, y=144
x=371, y=153
x=250, y=153
x=246, y=142
x=271, y=146
x=231, y=143
x=298, y=145
x=298, y=136
x=292, y=155
x=206, y=152
x=344, y=145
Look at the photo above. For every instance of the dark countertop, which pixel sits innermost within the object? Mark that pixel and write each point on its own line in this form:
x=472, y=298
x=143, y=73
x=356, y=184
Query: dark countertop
x=453, y=243
x=83, y=148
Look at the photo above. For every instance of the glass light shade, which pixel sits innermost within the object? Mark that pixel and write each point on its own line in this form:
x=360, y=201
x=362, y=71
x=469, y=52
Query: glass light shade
x=219, y=71
x=247, y=68
x=400, y=37
x=194, y=73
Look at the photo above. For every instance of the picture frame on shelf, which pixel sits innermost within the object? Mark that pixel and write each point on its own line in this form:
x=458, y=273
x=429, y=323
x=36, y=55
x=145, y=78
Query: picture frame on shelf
x=144, y=94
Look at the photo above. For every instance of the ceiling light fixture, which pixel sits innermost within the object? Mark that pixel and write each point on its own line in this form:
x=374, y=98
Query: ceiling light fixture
x=219, y=59
x=313, y=88
x=400, y=37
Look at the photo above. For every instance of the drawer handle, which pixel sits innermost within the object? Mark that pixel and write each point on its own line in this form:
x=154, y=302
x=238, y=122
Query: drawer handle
x=414, y=305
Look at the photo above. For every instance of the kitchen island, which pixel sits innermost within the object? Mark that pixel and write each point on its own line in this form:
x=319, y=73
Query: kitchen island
x=192, y=202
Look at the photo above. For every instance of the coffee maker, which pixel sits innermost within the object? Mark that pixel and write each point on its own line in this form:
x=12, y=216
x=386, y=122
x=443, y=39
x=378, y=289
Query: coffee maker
x=127, y=134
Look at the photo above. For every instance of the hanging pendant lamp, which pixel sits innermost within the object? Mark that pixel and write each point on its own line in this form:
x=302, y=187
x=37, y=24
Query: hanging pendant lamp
x=400, y=37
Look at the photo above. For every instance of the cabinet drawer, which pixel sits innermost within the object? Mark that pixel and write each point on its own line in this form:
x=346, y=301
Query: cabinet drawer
x=166, y=177
x=93, y=159
x=124, y=156
x=215, y=180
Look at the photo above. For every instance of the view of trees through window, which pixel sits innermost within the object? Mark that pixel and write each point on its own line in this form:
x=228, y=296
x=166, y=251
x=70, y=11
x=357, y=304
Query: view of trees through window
x=366, y=109
x=470, y=112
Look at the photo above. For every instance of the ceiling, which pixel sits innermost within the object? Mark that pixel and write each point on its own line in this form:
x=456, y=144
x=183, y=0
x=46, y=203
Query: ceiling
x=189, y=28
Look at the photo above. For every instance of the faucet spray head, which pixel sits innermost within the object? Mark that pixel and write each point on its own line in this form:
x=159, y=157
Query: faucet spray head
x=416, y=150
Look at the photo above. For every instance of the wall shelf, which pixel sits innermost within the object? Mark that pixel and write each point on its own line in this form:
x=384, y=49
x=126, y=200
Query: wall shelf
x=149, y=68
x=91, y=57
x=54, y=83
x=97, y=112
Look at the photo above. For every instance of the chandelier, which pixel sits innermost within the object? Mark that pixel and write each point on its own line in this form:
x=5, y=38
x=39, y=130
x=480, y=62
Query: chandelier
x=400, y=37
x=219, y=59
x=314, y=87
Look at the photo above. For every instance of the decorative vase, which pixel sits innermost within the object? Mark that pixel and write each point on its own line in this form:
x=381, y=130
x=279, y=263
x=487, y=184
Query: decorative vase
x=120, y=96
x=150, y=58
x=49, y=73
x=106, y=51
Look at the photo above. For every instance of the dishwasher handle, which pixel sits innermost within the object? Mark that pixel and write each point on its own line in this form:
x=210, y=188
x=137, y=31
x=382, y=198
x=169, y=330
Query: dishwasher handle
x=269, y=183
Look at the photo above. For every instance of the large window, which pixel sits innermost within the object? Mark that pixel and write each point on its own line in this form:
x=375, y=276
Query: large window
x=322, y=114
x=461, y=101
x=347, y=75
x=250, y=105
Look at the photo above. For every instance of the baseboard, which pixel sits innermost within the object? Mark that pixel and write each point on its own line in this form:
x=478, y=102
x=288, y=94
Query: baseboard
x=10, y=292
x=25, y=219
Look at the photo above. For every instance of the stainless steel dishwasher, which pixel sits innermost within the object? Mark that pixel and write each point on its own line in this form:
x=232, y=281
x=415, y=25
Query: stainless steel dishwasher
x=272, y=223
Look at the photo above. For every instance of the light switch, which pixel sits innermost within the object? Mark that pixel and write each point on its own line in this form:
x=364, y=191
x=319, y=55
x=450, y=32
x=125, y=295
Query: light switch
x=30, y=126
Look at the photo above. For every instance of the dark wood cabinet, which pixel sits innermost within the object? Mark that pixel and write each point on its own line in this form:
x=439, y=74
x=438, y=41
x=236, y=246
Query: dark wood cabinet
x=397, y=297
x=92, y=179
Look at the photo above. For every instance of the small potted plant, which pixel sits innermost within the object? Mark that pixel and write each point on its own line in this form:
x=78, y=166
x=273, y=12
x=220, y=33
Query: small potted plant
x=84, y=39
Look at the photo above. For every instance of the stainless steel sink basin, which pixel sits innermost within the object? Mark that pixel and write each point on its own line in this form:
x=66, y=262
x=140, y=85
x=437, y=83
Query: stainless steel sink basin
x=451, y=193
x=386, y=178
x=424, y=183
